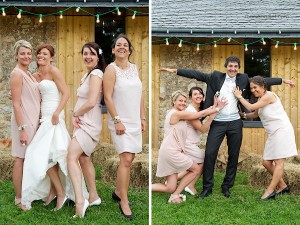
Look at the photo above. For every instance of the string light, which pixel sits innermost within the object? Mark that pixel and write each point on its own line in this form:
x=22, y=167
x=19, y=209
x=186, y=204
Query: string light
x=167, y=41
x=19, y=15
x=133, y=16
x=119, y=13
x=77, y=9
x=84, y=1
x=180, y=43
x=98, y=18
x=61, y=15
x=263, y=41
x=229, y=39
x=295, y=46
x=3, y=12
x=277, y=42
x=215, y=44
x=41, y=18
x=246, y=47
x=198, y=47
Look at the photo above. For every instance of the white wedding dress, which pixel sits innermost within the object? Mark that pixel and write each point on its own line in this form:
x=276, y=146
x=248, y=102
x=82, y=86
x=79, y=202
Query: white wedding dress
x=48, y=147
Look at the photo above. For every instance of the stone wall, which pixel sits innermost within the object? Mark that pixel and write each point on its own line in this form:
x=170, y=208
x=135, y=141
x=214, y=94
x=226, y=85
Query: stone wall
x=185, y=57
x=12, y=30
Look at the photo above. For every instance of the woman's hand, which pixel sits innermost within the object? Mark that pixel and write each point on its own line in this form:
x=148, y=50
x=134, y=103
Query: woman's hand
x=144, y=125
x=76, y=121
x=289, y=82
x=168, y=70
x=120, y=128
x=222, y=102
x=23, y=137
x=237, y=92
x=55, y=118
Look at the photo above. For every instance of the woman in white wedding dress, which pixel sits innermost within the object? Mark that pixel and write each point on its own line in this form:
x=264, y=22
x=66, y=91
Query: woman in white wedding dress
x=45, y=173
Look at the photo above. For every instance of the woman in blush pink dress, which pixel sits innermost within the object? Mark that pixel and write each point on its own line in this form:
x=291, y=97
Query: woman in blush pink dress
x=281, y=138
x=87, y=121
x=195, y=128
x=172, y=158
x=26, y=110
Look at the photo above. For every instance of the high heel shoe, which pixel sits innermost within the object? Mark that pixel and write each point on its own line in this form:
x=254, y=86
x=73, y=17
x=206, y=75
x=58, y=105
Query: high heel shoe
x=188, y=190
x=62, y=205
x=284, y=190
x=270, y=196
x=17, y=201
x=54, y=197
x=96, y=202
x=126, y=216
x=85, y=206
x=115, y=197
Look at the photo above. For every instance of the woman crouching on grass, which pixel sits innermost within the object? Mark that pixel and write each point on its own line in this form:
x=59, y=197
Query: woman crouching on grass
x=171, y=158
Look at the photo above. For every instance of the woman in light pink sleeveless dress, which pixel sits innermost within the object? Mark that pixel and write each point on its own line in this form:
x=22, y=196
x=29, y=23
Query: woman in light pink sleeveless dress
x=194, y=130
x=87, y=121
x=281, y=138
x=26, y=110
x=172, y=158
x=126, y=117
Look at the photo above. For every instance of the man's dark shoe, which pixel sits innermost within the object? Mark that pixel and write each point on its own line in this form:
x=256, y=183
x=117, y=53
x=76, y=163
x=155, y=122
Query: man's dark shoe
x=226, y=192
x=205, y=193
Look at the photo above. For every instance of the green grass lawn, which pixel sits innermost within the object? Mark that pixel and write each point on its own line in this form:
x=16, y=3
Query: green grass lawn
x=241, y=208
x=107, y=213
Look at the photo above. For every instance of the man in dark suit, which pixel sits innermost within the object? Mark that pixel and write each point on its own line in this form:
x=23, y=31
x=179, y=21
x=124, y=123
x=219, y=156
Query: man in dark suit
x=227, y=122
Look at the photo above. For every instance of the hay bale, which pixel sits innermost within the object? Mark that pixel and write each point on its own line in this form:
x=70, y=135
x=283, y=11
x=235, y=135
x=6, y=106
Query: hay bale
x=102, y=152
x=155, y=179
x=6, y=164
x=295, y=159
x=249, y=161
x=139, y=175
x=260, y=178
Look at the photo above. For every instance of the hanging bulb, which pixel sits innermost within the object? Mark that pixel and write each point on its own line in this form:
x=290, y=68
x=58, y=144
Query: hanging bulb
x=133, y=16
x=3, y=12
x=167, y=41
x=263, y=41
x=246, y=47
x=84, y=1
x=41, y=18
x=198, y=47
x=98, y=18
x=77, y=9
x=215, y=44
x=295, y=46
x=19, y=15
x=119, y=13
x=61, y=15
x=180, y=43
x=229, y=39
x=277, y=42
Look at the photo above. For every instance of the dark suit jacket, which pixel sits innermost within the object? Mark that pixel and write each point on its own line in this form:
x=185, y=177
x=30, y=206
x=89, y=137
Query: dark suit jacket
x=216, y=79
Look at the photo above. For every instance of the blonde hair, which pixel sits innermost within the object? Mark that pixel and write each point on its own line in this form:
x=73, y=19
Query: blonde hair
x=21, y=43
x=176, y=94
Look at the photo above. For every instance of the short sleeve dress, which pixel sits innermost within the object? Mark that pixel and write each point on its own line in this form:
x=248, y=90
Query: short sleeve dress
x=127, y=95
x=171, y=156
x=281, y=138
x=30, y=108
x=193, y=140
x=91, y=122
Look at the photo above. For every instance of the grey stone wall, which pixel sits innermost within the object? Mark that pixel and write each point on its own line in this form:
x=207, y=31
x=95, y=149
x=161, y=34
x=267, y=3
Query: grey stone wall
x=185, y=57
x=12, y=30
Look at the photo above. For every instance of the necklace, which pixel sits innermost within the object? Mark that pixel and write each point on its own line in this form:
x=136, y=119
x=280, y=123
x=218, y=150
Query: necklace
x=123, y=67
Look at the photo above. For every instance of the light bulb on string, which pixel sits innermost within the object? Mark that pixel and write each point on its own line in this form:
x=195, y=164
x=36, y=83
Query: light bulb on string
x=41, y=18
x=133, y=16
x=215, y=44
x=77, y=9
x=119, y=13
x=295, y=46
x=97, y=18
x=167, y=41
x=198, y=47
x=246, y=47
x=20, y=14
x=3, y=12
x=229, y=39
x=263, y=41
x=277, y=42
x=60, y=15
x=180, y=43
x=84, y=1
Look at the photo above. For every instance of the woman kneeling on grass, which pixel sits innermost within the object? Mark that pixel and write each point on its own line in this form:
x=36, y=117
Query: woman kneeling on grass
x=171, y=158
x=281, y=138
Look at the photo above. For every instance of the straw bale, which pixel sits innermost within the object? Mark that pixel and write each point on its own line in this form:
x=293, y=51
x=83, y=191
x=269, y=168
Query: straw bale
x=102, y=152
x=249, y=161
x=6, y=164
x=139, y=175
x=260, y=178
x=155, y=179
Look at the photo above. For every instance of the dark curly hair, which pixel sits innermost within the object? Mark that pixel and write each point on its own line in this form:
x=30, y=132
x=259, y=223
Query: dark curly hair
x=232, y=59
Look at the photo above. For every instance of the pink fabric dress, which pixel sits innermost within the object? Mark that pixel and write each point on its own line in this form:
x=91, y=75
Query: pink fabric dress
x=281, y=138
x=192, y=149
x=30, y=107
x=171, y=157
x=91, y=122
x=127, y=99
